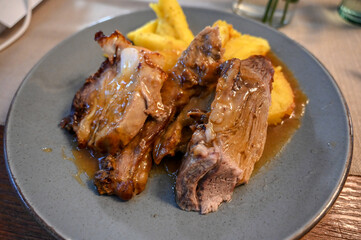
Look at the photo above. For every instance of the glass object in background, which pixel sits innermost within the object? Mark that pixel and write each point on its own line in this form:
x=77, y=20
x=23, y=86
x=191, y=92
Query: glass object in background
x=275, y=13
x=351, y=10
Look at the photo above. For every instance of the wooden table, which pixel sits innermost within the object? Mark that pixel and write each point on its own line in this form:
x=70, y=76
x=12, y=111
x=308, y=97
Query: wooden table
x=316, y=26
x=343, y=221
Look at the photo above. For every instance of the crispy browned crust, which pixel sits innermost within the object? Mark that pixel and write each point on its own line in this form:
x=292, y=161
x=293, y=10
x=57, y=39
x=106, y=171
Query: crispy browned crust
x=78, y=107
x=194, y=73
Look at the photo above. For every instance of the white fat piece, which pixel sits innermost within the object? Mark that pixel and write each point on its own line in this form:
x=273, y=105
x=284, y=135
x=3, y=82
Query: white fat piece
x=210, y=134
x=129, y=61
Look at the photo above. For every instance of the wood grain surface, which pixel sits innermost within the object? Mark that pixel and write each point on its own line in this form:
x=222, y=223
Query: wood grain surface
x=343, y=221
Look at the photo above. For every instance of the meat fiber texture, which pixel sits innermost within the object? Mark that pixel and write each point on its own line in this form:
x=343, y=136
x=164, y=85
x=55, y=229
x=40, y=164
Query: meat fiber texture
x=125, y=173
x=221, y=153
x=114, y=103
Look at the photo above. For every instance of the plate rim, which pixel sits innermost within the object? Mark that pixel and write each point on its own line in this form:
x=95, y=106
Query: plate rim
x=297, y=234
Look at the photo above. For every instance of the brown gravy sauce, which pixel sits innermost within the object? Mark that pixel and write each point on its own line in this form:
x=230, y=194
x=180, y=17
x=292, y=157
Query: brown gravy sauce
x=46, y=149
x=86, y=162
x=278, y=136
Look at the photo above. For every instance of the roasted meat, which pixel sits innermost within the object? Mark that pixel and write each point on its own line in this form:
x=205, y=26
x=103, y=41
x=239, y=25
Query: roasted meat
x=126, y=173
x=177, y=135
x=221, y=154
x=113, y=105
x=193, y=72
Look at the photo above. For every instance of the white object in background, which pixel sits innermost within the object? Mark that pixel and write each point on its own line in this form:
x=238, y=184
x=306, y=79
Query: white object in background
x=12, y=11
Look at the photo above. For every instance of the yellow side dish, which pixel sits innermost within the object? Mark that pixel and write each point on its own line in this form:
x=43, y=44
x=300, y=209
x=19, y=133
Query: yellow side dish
x=282, y=96
x=172, y=21
x=169, y=34
x=149, y=27
x=239, y=45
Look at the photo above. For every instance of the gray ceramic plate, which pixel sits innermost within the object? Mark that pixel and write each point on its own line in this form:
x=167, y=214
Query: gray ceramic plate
x=281, y=202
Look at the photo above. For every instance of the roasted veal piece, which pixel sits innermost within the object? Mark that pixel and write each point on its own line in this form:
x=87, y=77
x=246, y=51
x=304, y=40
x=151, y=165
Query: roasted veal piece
x=195, y=75
x=221, y=153
x=178, y=133
x=114, y=103
x=125, y=173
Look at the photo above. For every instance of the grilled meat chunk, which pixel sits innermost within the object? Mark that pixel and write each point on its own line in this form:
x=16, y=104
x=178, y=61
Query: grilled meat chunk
x=222, y=153
x=113, y=105
x=126, y=174
x=194, y=71
x=177, y=135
